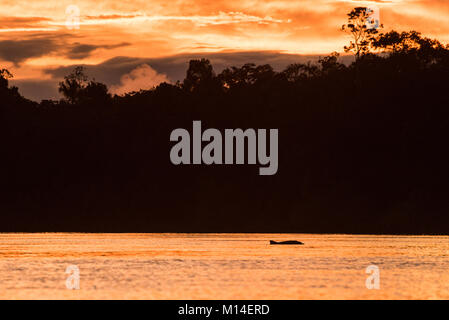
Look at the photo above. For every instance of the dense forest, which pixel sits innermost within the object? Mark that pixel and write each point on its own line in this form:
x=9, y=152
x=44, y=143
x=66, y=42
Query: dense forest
x=363, y=148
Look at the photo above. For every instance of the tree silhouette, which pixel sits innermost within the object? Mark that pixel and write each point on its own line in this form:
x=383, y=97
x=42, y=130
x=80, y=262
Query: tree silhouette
x=4, y=76
x=362, y=35
x=330, y=63
x=247, y=75
x=77, y=88
x=411, y=44
x=299, y=71
x=73, y=84
x=199, y=76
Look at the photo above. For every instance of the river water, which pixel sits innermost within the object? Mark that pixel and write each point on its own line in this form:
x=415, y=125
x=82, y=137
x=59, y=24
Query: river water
x=222, y=266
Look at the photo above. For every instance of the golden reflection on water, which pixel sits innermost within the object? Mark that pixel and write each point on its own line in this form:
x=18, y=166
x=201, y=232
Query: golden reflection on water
x=222, y=266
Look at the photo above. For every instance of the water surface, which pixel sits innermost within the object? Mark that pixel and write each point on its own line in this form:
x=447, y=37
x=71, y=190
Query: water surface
x=222, y=266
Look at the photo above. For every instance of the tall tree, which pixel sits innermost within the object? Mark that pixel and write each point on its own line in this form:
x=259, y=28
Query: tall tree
x=362, y=35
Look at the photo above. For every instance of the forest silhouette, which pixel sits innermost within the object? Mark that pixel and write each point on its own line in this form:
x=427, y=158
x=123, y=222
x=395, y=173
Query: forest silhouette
x=363, y=148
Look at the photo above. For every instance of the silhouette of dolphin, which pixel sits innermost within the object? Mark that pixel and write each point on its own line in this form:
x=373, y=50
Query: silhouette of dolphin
x=286, y=242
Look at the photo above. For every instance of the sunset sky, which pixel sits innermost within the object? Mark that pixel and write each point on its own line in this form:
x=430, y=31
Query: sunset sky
x=138, y=43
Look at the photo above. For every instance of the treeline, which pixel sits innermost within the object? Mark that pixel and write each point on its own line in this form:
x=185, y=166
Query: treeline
x=362, y=148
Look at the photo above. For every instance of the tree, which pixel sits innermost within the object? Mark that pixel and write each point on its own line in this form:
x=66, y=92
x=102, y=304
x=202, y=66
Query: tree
x=73, y=84
x=358, y=29
x=405, y=42
x=200, y=75
x=77, y=88
x=299, y=71
x=248, y=74
x=411, y=47
x=330, y=63
x=390, y=41
x=4, y=76
x=95, y=92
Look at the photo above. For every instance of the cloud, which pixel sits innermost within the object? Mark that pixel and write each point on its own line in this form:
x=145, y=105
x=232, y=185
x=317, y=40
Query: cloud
x=81, y=51
x=141, y=78
x=17, y=51
x=25, y=24
x=160, y=28
x=199, y=20
x=22, y=22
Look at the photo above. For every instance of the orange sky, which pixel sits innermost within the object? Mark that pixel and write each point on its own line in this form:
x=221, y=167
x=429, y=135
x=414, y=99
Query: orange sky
x=34, y=37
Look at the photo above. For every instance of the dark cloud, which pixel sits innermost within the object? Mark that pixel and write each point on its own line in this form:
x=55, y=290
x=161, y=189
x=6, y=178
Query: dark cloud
x=81, y=51
x=17, y=51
